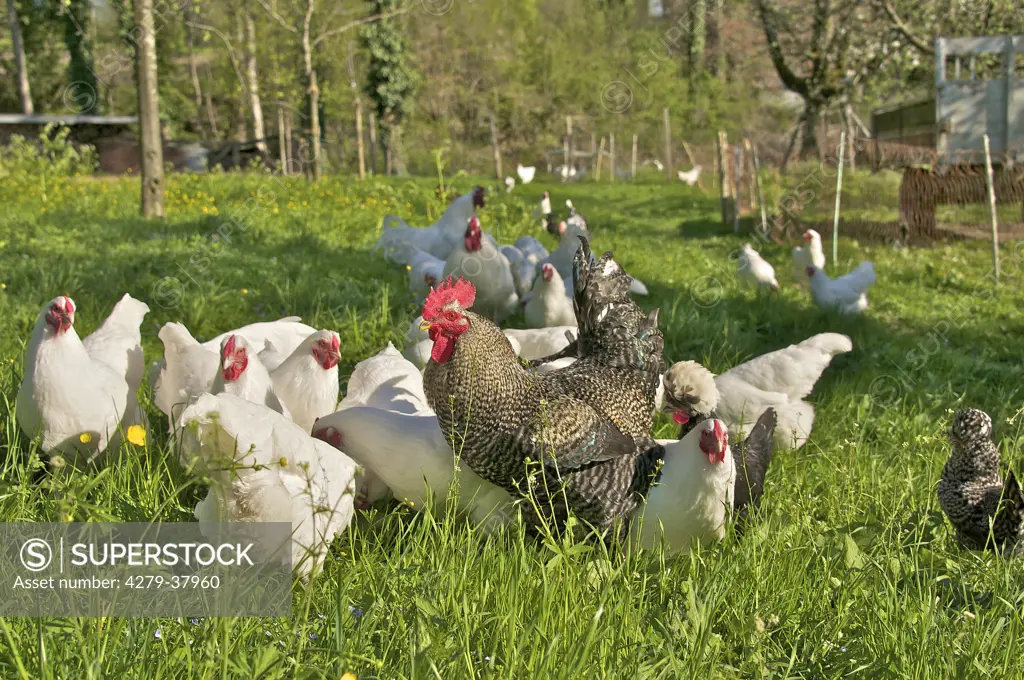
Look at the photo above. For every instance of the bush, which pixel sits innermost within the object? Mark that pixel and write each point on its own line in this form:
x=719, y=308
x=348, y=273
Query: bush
x=51, y=156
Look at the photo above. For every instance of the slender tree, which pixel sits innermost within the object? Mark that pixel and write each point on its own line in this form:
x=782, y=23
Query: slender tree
x=391, y=80
x=253, y=80
x=78, y=37
x=24, y=91
x=149, y=111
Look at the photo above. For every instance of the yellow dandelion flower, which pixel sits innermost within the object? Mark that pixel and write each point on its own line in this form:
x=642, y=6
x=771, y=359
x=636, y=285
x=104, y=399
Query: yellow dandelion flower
x=245, y=291
x=85, y=437
x=3, y=286
x=283, y=461
x=137, y=435
x=348, y=676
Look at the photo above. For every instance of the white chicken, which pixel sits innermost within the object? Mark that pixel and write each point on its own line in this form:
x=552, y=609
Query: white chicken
x=306, y=382
x=549, y=305
x=523, y=270
x=388, y=381
x=812, y=255
x=440, y=239
x=846, y=294
x=694, y=496
x=568, y=244
x=266, y=469
x=510, y=184
x=531, y=248
x=277, y=338
x=410, y=454
x=779, y=379
x=425, y=272
x=479, y=261
x=754, y=270
x=690, y=177
x=243, y=375
x=526, y=174
x=543, y=209
x=77, y=401
x=537, y=343
x=118, y=344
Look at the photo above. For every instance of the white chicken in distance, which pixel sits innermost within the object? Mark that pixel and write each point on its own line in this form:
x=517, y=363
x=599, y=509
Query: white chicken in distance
x=845, y=294
x=755, y=271
x=526, y=174
x=548, y=304
x=478, y=260
x=439, y=239
x=690, y=177
x=76, y=394
x=803, y=258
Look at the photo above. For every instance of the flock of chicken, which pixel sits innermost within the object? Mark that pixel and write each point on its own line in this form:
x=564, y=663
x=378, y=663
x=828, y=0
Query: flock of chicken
x=845, y=295
x=535, y=424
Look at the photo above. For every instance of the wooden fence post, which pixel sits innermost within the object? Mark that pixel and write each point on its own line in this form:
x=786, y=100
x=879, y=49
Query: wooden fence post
x=992, y=209
x=668, y=143
x=611, y=156
x=495, y=148
x=359, y=137
x=757, y=185
x=597, y=172
x=839, y=194
x=595, y=160
x=737, y=157
x=568, y=144
x=632, y=165
x=373, y=143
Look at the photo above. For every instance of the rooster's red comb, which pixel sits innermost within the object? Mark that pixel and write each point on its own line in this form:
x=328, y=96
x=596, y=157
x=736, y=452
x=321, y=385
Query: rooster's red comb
x=460, y=291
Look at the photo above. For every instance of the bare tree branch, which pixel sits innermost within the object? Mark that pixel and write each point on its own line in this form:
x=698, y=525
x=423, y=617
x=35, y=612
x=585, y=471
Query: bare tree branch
x=904, y=30
x=790, y=79
x=358, y=22
x=278, y=18
x=192, y=23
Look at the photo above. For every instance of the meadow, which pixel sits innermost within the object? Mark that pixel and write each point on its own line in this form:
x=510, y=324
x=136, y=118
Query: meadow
x=850, y=569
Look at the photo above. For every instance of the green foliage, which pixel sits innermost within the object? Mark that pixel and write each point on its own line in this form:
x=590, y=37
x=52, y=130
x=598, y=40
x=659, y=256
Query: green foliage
x=83, y=94
x=52, y=155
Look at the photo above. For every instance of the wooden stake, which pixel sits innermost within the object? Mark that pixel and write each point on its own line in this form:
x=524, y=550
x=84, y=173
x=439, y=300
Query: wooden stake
x=282, y=157
x=597, y=171
x=839, y=194
x=611, y=156
x=495, y=148
x=668, y=143
x=757, y=184
x=723, y=174
x=594, y=159
x=632, y=165
x=737, y=157
x=992, y=209
x=568, y=144
x=359, y=138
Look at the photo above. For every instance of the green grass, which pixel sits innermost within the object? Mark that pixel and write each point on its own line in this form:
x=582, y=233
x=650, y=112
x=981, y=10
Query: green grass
x=851, y=569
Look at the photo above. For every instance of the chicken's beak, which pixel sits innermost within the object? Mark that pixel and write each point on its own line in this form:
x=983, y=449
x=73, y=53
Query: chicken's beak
x=425, y=325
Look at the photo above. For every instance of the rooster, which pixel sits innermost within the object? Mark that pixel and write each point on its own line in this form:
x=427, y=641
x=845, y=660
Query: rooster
x=806, y=257
x=846, y=294
x=479, y=261
x=588, y=425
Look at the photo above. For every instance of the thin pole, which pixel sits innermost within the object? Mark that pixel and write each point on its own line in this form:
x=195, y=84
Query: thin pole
x=992, y=209
x=632, y=167
x=668, y=143
x=839, y=193
x=757, y=183
x=611, y=156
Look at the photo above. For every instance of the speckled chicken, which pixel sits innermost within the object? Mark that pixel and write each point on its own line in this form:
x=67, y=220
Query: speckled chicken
x=971, y=488
x=588, y=424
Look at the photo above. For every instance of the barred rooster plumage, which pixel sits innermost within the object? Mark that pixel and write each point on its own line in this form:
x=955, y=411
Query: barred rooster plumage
x=588, y=425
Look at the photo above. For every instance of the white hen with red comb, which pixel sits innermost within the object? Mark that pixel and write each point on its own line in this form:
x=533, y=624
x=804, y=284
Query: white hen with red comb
x=812, y=255
x=478, y=260
x=694, y=496
x=75, y=401
x=846, y=294
x=243, y=375
x=306, y=382
x=548, y=304
x=266, y=469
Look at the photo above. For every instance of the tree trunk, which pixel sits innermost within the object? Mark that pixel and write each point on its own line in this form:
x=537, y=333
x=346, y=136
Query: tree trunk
x=241, y=128
x=211, y=111
x=149, y=112
x=193, y=68
x=373, y=143
x=24, y=92
x=698, y=40
x=81, y=92
x=289, y=164
x=314, y=126
x=809, y=122
x=281, y=155
x=253, y=82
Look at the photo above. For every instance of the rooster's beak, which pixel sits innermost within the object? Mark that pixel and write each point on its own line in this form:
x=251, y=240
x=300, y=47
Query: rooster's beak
x=424, y=325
